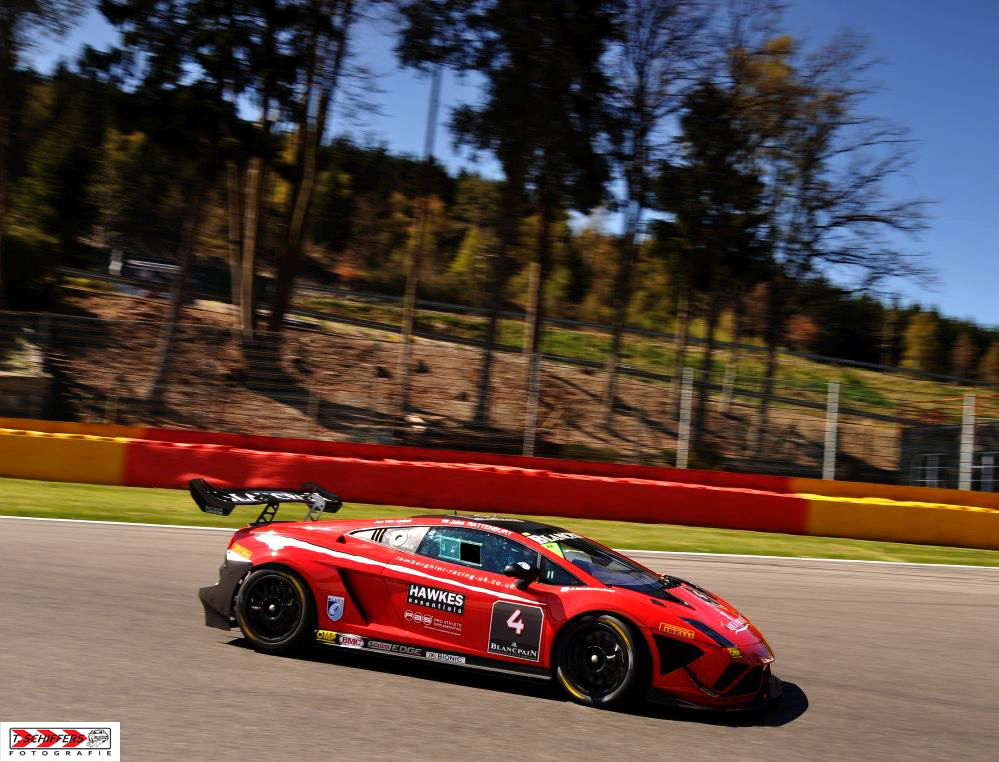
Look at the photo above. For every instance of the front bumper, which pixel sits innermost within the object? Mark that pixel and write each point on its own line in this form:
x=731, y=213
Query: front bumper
x=769, y=692
x=218, y=599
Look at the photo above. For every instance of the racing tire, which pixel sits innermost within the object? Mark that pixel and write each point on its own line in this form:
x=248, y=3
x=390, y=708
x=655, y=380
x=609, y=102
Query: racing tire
x=598, y=660
x=275, y=610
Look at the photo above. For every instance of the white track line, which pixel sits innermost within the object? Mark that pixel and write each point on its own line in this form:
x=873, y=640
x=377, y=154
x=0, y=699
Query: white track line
x=634, y=551
x=121, y=523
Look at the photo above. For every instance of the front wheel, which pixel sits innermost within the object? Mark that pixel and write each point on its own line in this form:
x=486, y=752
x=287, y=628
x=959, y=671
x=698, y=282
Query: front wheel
x=597, y=660
x=274, y=610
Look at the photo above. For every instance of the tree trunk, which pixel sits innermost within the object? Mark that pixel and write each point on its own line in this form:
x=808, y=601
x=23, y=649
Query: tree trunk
x=732, y=371
x=709, y=350
x=537, y=276
x=5, y=77
x=234, y=219
x=185, y=258
x=255, y=178
x=416, y=248
x=622, y=295
x=681, y=339
x=508, y=226
x=536, y=307
x=772, y=337
x=291, y=254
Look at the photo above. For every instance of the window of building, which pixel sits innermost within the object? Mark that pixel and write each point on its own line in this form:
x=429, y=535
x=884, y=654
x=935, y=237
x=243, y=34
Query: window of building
x=928, y=470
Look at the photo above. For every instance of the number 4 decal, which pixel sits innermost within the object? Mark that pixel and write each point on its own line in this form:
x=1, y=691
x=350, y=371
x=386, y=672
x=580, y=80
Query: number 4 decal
x=515, y=622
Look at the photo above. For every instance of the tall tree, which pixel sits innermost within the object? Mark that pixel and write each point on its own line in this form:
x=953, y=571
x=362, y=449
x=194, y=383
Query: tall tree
x=21, y=21
x=544, y=115
x=327, y=28
x=713, y=197
x=963, y=356
x=988, y=368
x=921, y=343
x=179, y=54
x=660, y=48
x=827, y=166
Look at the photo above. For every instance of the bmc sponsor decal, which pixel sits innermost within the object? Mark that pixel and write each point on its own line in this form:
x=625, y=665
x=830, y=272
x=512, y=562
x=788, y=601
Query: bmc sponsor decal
x=334, y=607
x=445, y=658
x=435, y=598
x=515, y=630
x=59, y=740
x=350, y=641
x=325, y=636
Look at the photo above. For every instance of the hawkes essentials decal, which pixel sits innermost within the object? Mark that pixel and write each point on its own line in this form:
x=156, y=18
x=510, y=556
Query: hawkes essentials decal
x=435, y=598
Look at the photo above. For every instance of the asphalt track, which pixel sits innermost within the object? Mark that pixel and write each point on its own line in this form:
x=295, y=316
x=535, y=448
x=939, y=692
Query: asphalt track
x=102, y=623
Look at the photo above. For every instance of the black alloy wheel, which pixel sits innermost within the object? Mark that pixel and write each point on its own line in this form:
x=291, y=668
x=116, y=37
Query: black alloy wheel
x=274, y=610
x=597, y=660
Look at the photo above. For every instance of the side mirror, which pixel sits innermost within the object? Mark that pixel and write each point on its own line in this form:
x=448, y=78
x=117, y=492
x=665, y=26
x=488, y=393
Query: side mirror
x=523, y=572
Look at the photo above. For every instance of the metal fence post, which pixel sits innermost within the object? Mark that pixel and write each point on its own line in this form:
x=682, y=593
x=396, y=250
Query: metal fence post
x=683, y=428
x=312, y=413
x=44, y=335
x=533, y=392
x=967, y=441
x=832, y=430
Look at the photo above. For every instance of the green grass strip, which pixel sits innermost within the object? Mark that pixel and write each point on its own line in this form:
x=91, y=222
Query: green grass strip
x=63, y=500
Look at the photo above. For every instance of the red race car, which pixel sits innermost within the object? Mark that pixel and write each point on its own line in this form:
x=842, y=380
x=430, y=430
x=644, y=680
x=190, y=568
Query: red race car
x=505, y=595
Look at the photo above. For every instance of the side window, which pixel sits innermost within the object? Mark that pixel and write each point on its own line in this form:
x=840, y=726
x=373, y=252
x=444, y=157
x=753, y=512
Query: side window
x=553, y=574
x=401, y=538
x=474, y=548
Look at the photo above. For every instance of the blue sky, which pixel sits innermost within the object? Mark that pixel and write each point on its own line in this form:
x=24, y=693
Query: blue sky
x=940, y=78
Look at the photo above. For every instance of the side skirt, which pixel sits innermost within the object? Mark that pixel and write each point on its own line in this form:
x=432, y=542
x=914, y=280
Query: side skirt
x=434, y=656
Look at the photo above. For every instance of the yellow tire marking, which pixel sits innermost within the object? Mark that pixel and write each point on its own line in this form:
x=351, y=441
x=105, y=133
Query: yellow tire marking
x=568, y=687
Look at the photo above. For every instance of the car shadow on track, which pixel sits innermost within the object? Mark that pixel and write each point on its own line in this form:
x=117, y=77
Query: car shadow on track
x=792, y=704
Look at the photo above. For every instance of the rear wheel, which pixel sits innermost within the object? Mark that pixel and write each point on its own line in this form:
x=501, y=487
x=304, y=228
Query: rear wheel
x=275, y=610
x=597, y=660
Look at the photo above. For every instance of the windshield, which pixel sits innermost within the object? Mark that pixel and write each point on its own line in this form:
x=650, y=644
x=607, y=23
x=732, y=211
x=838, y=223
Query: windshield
x=603, y=563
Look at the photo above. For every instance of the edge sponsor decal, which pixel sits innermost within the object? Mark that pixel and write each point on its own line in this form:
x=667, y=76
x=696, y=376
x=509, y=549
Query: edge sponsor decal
x=672, y=629
x=435, y=598
x=515, y=630
x=36, y=740
x=334, y=607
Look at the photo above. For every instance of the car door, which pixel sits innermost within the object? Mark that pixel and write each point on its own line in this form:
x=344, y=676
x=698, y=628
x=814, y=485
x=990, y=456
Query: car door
x=458, y=598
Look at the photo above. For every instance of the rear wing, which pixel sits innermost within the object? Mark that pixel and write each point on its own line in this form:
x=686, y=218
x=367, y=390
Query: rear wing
x=222, y=501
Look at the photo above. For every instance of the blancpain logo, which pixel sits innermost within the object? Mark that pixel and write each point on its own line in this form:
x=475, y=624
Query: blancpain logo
x=434, y=598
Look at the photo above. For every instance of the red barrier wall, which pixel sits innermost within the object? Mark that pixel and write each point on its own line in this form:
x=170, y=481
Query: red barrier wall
x=391, y=452
x=469, y=487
